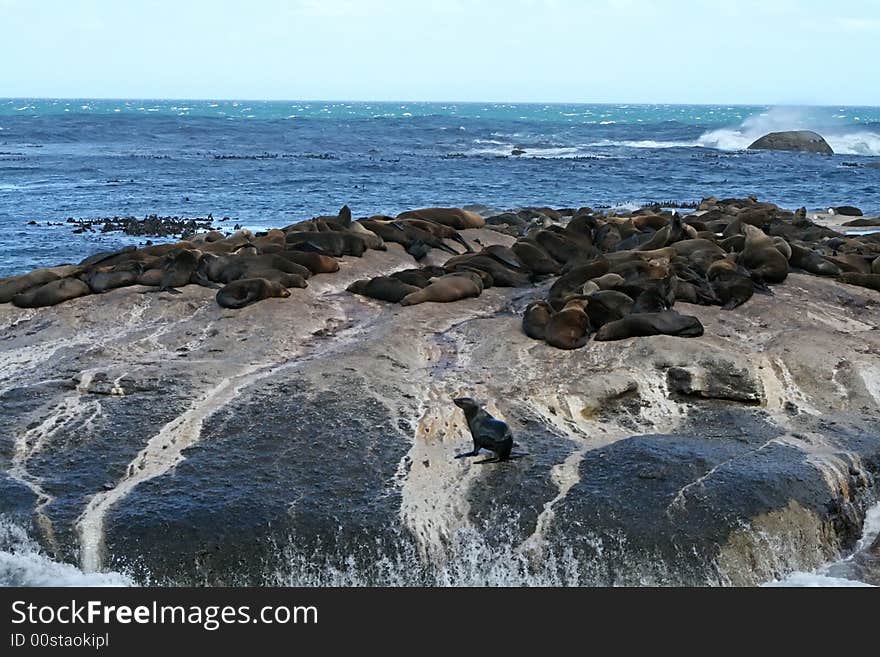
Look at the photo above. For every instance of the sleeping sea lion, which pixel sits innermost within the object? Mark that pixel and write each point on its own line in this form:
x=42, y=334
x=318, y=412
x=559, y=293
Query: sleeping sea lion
x=49, y=294
x=383, y=288
x=246, y=291
x=448, y=288
x=634, y=325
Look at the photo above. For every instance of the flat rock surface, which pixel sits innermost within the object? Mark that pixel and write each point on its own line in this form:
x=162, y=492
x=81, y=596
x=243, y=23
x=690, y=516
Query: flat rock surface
x=310, y=440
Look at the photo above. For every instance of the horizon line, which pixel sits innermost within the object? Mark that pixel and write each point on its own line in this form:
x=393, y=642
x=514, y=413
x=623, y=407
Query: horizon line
x=433, y=102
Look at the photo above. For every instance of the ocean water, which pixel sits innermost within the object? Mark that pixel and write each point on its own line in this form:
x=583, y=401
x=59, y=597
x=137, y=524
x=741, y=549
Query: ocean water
x=268, y=164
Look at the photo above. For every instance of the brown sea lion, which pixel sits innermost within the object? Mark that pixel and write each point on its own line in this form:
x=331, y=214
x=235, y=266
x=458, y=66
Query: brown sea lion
x=535, y=258
x=371, y=239
x=731, y=283
x=576, y=278
x=502, y=276
x=871, y=281
x=13, y=285
x=440, y=231
x=454, y=217
x=535, y=319
x=608, y=306
x=646, y=324
x=452, y=287
x=101, y=279
x=761, y=257
x=812, y=261
x=49, y=294
x=246, y=291
x=335, y=244
x=570, y=327
x=383, y=288
x=314, y=262
x=419, y=277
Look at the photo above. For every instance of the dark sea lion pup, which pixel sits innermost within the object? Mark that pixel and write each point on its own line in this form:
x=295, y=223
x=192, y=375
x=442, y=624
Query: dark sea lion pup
x=246, y=291
x=488, y=432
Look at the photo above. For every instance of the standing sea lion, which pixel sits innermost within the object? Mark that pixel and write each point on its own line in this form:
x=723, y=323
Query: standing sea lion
x=487, y=432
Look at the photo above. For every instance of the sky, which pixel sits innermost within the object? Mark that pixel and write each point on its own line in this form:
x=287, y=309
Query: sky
x=655, y=51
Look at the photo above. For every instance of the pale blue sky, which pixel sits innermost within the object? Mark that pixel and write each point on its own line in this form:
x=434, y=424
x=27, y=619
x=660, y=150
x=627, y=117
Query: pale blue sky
x=715, y=51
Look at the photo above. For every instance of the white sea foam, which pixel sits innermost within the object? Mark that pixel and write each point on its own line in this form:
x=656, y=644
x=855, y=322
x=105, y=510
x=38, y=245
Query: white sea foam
x=781, y=119
x=23, y=563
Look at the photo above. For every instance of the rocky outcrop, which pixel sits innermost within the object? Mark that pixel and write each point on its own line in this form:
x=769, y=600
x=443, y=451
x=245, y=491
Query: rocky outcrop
x=310, y=440
x=804, y=141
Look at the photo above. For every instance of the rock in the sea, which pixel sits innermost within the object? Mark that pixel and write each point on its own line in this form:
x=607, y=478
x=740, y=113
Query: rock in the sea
x=805, y=141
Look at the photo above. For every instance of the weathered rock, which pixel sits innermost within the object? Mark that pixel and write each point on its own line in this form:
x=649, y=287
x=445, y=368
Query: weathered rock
x=310, y=440
x=795, y=140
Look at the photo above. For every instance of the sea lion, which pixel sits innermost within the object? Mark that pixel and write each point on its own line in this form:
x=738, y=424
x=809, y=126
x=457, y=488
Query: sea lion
x=608, y=306
x=335, y=244
x=851, y=262
x=654, y=297
x=570, y=327
x=101, y=279
x=179, y=270
x=452, y=287
x=246, y=291
x=13, y=285
x=608, y=281
x=487, y=432
x=731, y=283
x=577, y=277
x=383, y=288
x=439, y=231
x=871, y=281
x=454, y=217
x=419, y=277
x=415, y=240
x=106, y=255
x=535, y=258
x=502, y=276
x=561, y=248
x=812, y=261
x=314, y=262
x=668, y=322
x=371, y=239
x=535, y=319
x=49, y=294
x=228, y=268
x=782, y=246
x=761, y=257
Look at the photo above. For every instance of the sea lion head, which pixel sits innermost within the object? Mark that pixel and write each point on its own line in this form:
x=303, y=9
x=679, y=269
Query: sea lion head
x=465, y=403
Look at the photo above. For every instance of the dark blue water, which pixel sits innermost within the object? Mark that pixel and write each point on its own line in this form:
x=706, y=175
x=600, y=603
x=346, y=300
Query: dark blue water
x=271, y=163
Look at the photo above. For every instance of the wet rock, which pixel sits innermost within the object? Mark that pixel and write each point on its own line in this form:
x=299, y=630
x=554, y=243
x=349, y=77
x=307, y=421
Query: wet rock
x=795, y=140
x=716, y=380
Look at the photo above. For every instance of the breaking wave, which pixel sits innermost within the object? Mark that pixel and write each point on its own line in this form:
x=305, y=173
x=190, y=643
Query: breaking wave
x=23, y=563
x=844, y=141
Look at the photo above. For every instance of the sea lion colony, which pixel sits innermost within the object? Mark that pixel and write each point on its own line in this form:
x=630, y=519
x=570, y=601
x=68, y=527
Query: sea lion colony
x=616, y=275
